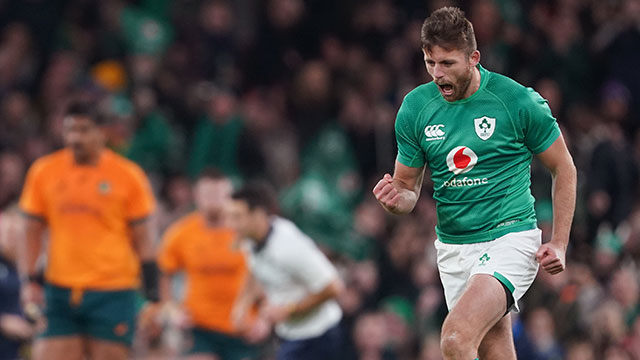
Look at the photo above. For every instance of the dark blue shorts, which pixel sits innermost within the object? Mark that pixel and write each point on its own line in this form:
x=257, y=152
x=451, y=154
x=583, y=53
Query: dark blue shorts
x=323, y=347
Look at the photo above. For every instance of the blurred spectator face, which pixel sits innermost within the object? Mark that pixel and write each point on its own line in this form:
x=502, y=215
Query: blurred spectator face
x=624, y=287
x=12, y=168
x=608, y=323
x=144, y=100
x=486, y=19
x=370, y=219
x=616, y=99
x=431, y=348
x=179, y=192
x=365, y=276
x=541, y=328
x=550, y=90
x=377, y=82
x=451, y=70
x=333, y=52
x=13, y=50
x=222, y=106
x=15, y=109
x=216, y=17
x=143, y=68
x=430, y=299
x=581, y=351
x=211, y=195
x=350, y=300
x=284, y=14
x=369, y=333
x=83, y=136
x=313, y=84
x=58, y=78
x=243, y=220
x=616, y=353
x=563, y=32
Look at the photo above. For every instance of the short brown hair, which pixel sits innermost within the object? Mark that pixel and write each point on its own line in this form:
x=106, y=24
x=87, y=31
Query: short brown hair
x=448, y=28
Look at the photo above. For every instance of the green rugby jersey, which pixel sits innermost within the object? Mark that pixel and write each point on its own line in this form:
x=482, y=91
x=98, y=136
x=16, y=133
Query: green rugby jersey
x=479, y=151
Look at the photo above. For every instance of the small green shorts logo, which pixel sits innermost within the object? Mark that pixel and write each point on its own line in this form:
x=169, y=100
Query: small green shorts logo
x=484, y=258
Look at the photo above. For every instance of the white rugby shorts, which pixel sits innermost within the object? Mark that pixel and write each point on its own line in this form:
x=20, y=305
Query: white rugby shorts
x=510, y=259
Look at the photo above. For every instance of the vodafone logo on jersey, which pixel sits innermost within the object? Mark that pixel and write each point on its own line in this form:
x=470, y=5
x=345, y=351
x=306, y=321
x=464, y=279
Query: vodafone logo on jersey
x=461, y=160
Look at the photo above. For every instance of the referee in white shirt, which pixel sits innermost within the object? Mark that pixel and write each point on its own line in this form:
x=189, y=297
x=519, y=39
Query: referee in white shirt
x=300, y=284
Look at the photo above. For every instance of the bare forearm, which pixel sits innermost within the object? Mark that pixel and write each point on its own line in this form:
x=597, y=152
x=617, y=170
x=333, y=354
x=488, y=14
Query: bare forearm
x=313, y=300
x=142, y=235
x=406, y=202
x=29, y=250
x=165, y=288
x=564, y=202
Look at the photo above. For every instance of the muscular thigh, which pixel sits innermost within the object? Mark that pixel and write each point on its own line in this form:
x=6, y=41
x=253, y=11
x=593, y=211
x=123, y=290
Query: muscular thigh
x=479, y=308
x=59, y=348
x=107, y=350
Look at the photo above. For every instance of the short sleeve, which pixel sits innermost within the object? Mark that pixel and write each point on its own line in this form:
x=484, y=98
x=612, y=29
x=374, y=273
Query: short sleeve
x=310, y=265
x=169, y=257
x=32, y=200
x=409, y=151
x=140, y=202
x=540, y=127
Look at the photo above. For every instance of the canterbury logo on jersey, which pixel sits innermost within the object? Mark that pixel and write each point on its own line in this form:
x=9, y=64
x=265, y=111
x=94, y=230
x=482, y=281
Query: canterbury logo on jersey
x=434, y=132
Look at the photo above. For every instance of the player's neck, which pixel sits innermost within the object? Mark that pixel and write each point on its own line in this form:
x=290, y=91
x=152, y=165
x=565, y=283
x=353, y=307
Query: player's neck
x=213, y=220
x=89, y=159
x=474, y=84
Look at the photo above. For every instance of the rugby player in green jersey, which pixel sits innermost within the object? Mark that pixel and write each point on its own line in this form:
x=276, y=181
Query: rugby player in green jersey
x=477, y=131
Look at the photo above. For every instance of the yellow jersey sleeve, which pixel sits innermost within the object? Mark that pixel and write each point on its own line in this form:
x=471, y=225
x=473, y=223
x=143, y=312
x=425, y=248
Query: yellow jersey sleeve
x=32, y=199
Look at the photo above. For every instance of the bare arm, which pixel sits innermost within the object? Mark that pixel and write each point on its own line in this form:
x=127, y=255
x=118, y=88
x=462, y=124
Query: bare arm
x=308, y=303
x=249, y=295
x=166, y=295
x=28, y=253
x=563, y=172
x=142, y=235
x=278, y=314
x=29, y=250
x=399, y=194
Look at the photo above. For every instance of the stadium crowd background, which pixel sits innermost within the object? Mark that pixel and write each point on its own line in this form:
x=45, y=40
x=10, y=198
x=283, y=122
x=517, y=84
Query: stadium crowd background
x=304, y=94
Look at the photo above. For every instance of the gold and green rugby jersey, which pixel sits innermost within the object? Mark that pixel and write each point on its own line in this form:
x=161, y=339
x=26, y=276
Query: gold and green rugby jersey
x=479, y=151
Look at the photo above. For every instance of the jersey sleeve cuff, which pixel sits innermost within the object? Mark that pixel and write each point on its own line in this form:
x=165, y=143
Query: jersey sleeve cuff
x=550, y=140
x=32, y=215
x=415, y=162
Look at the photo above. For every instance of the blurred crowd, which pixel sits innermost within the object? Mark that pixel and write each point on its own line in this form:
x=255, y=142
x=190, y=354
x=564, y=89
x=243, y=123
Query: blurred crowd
x=303, y=93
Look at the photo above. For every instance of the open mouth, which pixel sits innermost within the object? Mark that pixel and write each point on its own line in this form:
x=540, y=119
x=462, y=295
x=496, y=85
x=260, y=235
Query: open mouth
x=446, y=89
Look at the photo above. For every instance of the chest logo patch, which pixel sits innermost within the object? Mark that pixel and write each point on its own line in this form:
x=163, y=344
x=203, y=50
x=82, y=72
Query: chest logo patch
x=461, y=160
x=434, y=132
x=484, y=127
x=104, y=187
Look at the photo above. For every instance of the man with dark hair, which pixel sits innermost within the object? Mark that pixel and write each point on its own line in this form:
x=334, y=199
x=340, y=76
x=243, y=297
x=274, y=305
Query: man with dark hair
x=477, y=131
x=216, y=272
x=300, y=283
x=96, y=206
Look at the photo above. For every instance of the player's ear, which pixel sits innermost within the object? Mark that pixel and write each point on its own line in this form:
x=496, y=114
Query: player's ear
x=474, y=58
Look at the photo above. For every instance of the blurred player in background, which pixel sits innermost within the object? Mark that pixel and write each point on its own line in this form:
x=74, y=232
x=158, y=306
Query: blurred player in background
x=215, y=268
x=96, y=207
x=15, y=330
x=477, y=132
x=300, y=283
